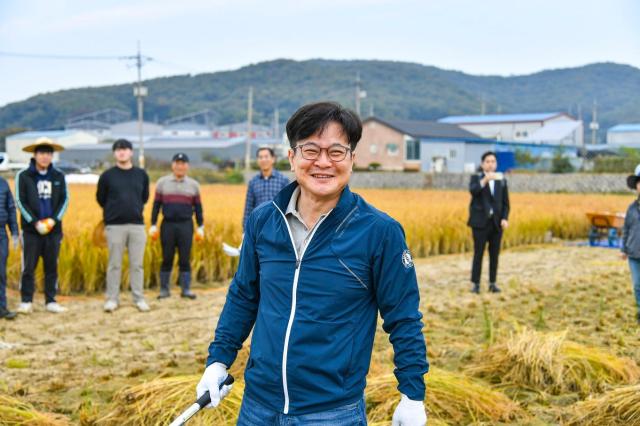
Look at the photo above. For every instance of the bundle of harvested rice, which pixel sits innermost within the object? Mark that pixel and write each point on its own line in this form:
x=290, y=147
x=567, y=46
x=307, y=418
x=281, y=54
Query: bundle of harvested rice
x=161, y=400
x=16, y=412
x=617, y=407
x=451, y=397
x=550, y=363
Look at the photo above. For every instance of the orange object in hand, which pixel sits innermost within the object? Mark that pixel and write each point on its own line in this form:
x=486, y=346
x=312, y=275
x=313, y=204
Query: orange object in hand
x=44, y=226
x=200, y=234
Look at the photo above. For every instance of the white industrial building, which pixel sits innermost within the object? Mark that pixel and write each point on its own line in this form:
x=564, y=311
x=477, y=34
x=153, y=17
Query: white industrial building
x=624, y=135
x=555, y=128
x=66, y=138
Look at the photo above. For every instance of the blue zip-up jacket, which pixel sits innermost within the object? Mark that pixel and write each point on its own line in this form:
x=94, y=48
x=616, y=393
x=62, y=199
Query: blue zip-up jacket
x=315, y=312
x=7, y=209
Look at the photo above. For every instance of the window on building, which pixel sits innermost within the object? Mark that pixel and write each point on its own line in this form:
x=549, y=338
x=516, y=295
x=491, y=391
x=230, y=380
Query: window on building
x=525, y=134
x=517, y=134
x=392, y=149
x=413, y=149
x=452, y=153
x=373, y=149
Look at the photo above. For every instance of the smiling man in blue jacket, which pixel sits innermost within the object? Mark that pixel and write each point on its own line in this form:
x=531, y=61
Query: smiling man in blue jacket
x=316, y=267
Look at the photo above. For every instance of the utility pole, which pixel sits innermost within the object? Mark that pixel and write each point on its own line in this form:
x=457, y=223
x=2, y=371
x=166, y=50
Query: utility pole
x=247, y=152
x=594, y=126
x=360, y=94
x=276, y=123
x=139, y=91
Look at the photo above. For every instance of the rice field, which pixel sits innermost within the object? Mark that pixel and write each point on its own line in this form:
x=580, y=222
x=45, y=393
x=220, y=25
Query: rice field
x=434, y=223
x=559, y=345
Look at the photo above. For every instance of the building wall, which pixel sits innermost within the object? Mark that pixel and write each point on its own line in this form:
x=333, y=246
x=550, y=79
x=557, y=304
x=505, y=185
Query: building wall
x=15, y=144
x=373, y=147
x=442, y=156
x=631, y=139
x=503, y=131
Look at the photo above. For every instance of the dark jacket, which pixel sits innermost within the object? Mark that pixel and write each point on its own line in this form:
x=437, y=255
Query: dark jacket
x=482, y=202
x=315, y=313
x=7, y=209
x=29, y=203
x=631, y=231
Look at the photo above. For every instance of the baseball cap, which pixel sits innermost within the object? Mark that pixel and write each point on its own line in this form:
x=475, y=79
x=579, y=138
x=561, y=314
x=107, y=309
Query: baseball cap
x=180, y=156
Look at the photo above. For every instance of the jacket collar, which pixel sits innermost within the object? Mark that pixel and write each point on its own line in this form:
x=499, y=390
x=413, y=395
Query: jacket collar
x=344, y=206
x=34, y=170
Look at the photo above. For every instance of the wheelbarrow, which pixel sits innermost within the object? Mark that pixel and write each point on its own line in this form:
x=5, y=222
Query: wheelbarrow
x=606, y=229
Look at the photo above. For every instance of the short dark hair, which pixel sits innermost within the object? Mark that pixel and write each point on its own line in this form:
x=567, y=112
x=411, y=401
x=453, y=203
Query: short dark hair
x=488, y=153
x=263, y=148
x=313, y=118
x=43, y=148
x=122, y=144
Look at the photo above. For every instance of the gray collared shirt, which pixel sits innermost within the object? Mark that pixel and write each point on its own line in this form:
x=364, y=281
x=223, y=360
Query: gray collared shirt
x=301, y=234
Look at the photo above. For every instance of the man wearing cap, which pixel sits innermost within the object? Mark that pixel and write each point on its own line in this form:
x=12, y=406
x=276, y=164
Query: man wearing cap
x=178, y=196
x=264, y=186
x=122, y=193
x=631, y=237
x=42, y=197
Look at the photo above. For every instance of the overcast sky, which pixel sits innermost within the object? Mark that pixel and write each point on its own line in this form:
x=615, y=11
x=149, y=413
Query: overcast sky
x=193, y=36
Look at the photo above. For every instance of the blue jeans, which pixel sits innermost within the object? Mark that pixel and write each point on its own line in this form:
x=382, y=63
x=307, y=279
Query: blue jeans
x=253, y=413
x=634, y=265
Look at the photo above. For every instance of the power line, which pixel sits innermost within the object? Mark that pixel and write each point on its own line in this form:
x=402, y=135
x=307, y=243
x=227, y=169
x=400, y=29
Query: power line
x=67, y=57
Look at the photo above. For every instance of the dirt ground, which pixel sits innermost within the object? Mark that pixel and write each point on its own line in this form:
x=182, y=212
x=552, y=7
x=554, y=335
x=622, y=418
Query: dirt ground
x=73, y=363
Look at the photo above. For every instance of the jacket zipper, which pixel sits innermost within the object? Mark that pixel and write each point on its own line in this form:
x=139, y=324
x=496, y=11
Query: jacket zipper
x=294, y=292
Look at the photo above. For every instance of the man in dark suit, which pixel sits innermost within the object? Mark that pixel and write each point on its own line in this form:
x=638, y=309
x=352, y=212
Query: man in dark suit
x=488, y=217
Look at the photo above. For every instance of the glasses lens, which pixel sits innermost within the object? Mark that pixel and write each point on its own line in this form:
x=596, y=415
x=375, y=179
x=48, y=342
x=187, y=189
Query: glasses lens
x=337, y=152
x=310, y=151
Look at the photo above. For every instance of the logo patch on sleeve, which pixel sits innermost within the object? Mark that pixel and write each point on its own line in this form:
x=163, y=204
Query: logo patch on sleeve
x=407, y=260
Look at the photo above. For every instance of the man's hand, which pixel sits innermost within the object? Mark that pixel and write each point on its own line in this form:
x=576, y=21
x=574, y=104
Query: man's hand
x=409, y=413
x=623, y=255
x=44, y=226
x=504, y=223
x=213, y=376
x=200, y=233
x=153, y=232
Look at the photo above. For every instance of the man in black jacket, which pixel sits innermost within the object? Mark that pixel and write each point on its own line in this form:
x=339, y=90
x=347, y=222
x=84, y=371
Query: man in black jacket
x=42, y=197
x=488, y=217
x=122, y=192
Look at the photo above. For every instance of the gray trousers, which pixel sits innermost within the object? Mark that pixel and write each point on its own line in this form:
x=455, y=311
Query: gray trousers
x=134, y=238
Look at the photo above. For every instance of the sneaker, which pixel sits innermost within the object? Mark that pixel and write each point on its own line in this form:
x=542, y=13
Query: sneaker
x=7, y=314
x=25, y=308
x=163, y=295
x=476, y=288
x=493, y=288
x=55, y=308
x=110, y=306
x=188, y=295
x=142, y=306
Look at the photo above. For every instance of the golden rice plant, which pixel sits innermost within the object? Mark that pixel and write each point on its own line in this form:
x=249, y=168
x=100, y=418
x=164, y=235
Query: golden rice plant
x=451, y=397
x=160, y=401
x=14, y=412
x=619, y=406
x=434, y=223
x=549, y=362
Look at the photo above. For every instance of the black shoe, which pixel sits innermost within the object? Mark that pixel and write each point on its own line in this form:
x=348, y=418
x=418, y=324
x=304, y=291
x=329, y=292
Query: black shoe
x=163, y=295
x=493, y=288
x=188, y=296
x=476, y=288
x=7, y=314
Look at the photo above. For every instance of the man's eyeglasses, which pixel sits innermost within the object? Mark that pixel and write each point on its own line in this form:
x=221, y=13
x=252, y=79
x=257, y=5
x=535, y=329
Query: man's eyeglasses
x=311, y=151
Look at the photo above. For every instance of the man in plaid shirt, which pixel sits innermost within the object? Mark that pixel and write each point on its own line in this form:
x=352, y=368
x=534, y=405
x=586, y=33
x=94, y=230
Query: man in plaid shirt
x=265, y=185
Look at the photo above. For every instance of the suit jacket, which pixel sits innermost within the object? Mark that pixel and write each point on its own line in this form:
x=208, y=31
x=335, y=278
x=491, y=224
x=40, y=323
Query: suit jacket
x=482, y=202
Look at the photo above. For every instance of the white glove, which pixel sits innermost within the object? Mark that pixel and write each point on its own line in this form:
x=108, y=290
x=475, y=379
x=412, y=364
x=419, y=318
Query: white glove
x=409, y=413
x=44, y=226
x=153, y=231
x=213, y=376
x=16, y=241
x=200, y=233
